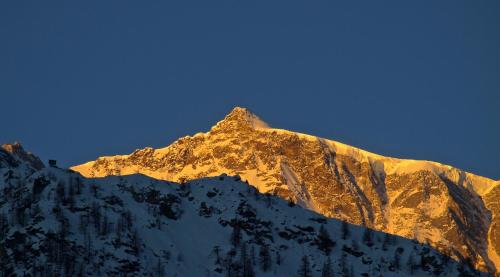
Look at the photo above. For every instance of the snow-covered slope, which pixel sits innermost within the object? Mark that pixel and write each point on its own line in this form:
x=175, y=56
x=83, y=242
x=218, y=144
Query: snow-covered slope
x=453, y=210
x=54, y=222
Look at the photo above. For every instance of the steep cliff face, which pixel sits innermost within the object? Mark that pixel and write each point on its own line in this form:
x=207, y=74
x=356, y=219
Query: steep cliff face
x=492, y=202
x=450, y=209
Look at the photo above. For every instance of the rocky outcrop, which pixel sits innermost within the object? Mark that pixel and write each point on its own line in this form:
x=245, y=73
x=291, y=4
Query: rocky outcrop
x=14, y=153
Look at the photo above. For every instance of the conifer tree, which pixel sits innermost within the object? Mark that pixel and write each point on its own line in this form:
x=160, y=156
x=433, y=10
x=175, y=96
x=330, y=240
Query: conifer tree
x=325, y=243
x=246, y=262
x=160, y=270
x=368, y=237
x=327, y=270
x=265, y=258
x=386, y=242
x=345, y=230
x=236, y=235
x=411, y=264
x=305, y=267
x=397, y=257
x=252, y=255
x=216, y=251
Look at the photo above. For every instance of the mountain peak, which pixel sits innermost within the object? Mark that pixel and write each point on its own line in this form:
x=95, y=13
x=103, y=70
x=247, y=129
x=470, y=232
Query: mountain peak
x=239, y=119
x=17, y=151
x=13, y=148
x=238, y=109
x=387, y=194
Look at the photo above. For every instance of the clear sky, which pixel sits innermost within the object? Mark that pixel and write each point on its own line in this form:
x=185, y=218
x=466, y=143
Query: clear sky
x=419, y=79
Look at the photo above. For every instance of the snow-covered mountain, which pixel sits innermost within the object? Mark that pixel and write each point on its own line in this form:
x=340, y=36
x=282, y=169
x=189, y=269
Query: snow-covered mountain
x=452, y=210
x=54, y=222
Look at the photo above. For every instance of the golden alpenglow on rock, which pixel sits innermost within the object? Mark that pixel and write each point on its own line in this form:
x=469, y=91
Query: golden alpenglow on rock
x=454, y=211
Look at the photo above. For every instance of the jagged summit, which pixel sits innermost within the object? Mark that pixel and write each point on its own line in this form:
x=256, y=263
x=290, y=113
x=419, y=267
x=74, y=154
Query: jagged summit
x=12, y=148
x=17, y=153
x=240, y=118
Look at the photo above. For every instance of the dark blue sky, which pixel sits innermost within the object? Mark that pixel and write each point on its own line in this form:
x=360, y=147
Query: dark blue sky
x=419, y=79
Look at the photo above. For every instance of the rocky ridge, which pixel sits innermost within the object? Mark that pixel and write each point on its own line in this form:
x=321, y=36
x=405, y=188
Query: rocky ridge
x=452, y=210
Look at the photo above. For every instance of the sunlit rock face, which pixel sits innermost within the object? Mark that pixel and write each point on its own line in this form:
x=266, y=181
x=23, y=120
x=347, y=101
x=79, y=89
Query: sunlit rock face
x=452, y=210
